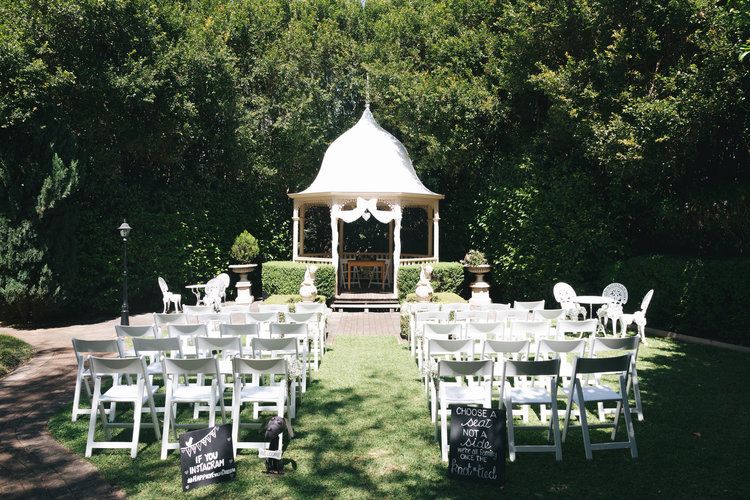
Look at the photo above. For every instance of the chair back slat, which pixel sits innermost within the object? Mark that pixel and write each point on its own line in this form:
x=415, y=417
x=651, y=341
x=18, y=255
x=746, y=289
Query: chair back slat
x=169, y=319
x=549, y=367
x=123, y=366
x=108, y=345
x=225, y=345
x=442, y=329
x=615, y=344
x=289, y=329
x=191, y=366
x=247, y=366
x=505, y=346
x=602, y=365
x=486, y=330
x=135, y=331
x=561, y=346
x=305, y=317
x=441, y=346
x=191, y=330
x=142, y=345
x=465, y=368
x=286, y=345
x=251, y=329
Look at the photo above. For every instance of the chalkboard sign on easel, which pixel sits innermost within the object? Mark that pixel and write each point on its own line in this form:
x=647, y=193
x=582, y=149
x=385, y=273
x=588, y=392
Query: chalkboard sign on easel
x=477, y=444
x=207, y=457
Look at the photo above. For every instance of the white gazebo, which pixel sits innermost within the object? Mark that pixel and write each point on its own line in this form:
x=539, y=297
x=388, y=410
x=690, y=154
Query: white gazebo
x=366, y=172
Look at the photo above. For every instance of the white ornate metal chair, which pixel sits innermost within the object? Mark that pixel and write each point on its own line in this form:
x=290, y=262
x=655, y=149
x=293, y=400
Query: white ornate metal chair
x=639, y=317
x=139, y=393
x=564, y=295
x=168, y=297
x=213, y=291
x=612, y=311
x=225, y=281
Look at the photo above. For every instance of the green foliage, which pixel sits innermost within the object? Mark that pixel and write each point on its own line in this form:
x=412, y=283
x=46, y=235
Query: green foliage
x=565, y=136
x=290, y=299
x=245, y=248
x=285, y=277
x=700, y=297
x=439, y=297
x=446, y=277
x=474, y=258
x=13, y=353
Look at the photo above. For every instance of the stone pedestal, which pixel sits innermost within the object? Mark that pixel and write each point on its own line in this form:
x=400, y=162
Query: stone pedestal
x=243, y=286
x=480, y=289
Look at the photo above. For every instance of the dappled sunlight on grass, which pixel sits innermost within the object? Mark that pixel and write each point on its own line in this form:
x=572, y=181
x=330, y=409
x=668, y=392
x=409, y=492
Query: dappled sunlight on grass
x=363, y=431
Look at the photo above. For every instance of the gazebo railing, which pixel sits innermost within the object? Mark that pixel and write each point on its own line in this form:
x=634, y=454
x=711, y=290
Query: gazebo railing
x=416, y=261
x=314, y=260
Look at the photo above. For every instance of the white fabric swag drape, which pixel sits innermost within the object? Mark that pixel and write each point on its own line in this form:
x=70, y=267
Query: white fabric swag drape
x=363, y=208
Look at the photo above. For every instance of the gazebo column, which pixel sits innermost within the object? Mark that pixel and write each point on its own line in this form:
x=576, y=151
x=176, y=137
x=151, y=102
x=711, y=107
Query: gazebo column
x=295, y=231
x=302, y=230
x=428, y=213
x=396, y=245
x=335, y=207
x=436, y=232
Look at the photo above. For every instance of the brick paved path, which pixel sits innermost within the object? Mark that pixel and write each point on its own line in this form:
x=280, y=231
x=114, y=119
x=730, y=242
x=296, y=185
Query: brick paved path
x=32, y=463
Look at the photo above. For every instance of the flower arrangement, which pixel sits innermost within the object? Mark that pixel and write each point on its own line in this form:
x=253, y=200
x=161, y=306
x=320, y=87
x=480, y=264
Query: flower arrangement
x=474, y=258
x=293, y=367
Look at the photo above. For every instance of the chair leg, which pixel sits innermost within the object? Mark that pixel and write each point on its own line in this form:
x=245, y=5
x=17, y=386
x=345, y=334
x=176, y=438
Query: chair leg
x=628, y=421
x=165, y=432
x=584, y=422
x=136, y=426
x=92, y=429
x=212, y=412
x=555, y=425
x=511, y=431
x=76, y=399
x=235, y=421
x=616, y=424
x=636, y=394
x=444, y=432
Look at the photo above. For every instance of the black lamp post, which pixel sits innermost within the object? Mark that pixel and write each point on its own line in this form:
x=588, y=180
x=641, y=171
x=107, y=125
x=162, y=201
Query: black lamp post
x=124, y=232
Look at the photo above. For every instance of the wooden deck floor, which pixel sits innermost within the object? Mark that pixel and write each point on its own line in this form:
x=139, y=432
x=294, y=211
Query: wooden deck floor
x=363, y=324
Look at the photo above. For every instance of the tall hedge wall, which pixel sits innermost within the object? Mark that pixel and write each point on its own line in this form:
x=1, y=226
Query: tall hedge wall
x=700, y=297
x=285, y=277
x=446, y=277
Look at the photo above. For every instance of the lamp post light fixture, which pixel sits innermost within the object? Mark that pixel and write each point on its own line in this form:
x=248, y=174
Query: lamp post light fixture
x=124, y=232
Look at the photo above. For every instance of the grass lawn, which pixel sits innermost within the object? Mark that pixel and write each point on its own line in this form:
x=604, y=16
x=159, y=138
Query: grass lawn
x=13, y=353
x=363, y=431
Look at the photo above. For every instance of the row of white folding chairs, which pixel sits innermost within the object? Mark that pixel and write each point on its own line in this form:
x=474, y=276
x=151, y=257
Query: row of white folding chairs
x=414, y=307
x=502, y=316
x=142, y=392
x=263, y=320
x=478, y=391
x=499, y=351
x=514, y=330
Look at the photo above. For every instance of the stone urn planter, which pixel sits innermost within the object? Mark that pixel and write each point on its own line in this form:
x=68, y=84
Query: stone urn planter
x=424, y=289
x=307, y=289
x=243, y=285
x=480, y=289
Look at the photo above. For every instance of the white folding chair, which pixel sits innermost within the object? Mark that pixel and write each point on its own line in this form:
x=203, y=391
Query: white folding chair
x=533, y=331
x=221, y=348
x=532, y=305
x=263, y=320
x=581, y=393
x=526, y=395
x=564, y=350
x=190, y=392
x=498, y=351
x=213, y=320
x=245, y=332
x=477, y=392
x=139, y=393
x=323, y=312
x=485, y=331
x=275, y=393
x=192, y=312
x=639, y=317
x=162, y=321
x=155, y=351
x=187, y=334
x=415, y=329
x=437, y=331
x=126, y=335
x=580, y=328
x=493, y=309
x=313, y=325
x=168, y=297
x=83, y=372
x=625, y=345
x=551, y=316
x=437, y=350
x=301, y=333
x=564, y=295
x=288, y=349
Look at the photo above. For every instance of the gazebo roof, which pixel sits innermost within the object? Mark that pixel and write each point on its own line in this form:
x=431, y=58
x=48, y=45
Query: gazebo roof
x=366, y=159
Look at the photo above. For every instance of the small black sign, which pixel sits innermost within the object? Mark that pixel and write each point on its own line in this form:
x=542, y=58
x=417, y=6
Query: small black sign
x=477, y=443
x=206, y=457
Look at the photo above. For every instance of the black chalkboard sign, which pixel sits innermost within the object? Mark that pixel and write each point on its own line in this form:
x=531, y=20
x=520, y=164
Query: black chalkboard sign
x=477, y=444
x=206, y=457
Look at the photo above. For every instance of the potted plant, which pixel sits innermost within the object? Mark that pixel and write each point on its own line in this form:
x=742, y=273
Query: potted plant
x=244, y=250
x=476, y=263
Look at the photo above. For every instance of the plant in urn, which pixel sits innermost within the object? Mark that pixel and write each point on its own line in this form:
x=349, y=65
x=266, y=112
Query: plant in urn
x=244, y=250
x=307, y=290
x=476, y=263
x=424, y=286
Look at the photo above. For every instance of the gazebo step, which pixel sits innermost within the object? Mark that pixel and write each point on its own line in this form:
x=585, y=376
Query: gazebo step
x=349, y=305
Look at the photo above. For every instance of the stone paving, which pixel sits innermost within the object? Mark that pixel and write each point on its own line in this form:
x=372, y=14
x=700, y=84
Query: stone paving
x=32, y=463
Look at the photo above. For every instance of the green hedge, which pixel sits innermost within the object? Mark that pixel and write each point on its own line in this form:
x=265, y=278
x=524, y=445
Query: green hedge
x=698, y=297
x=446, y=277
x=285, y=277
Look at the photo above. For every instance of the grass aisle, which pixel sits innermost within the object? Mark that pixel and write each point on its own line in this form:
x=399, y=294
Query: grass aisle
x=363, y=431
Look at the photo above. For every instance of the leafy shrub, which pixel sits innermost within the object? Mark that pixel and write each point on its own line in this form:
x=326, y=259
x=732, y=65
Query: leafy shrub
x=285, y=278
x=245, y=248
x=13, y=353
x=692, y=296
x=439, y=297
x=446, y=277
